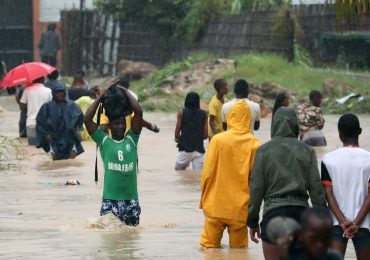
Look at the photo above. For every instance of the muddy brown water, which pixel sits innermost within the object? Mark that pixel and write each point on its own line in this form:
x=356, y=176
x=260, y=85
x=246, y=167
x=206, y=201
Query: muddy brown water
x=41, y=218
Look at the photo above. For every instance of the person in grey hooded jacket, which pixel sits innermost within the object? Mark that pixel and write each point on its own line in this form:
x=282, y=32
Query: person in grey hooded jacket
x=285, y=176
x=49, y=45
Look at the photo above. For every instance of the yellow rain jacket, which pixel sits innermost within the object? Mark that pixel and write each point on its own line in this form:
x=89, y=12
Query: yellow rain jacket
x=229, y=161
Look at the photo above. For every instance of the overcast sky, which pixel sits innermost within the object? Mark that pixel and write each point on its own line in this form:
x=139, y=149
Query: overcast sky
x=308, y=1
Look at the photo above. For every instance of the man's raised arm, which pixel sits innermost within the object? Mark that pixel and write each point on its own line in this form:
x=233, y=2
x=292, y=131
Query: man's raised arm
x=90, y=125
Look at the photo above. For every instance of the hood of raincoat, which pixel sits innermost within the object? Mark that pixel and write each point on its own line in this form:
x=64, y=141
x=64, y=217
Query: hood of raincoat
x=57, y=86
x=229, y=160
x=285, y=123
x=239, y=118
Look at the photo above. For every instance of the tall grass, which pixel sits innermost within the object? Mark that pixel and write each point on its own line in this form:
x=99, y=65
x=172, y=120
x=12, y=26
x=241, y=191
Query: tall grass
x=297, y=76
x=11, y=154
x=269, y=67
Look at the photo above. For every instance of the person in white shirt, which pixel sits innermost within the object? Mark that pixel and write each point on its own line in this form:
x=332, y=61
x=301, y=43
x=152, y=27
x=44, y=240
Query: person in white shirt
x=241, y=90
x=345, y=174
x=34, y=96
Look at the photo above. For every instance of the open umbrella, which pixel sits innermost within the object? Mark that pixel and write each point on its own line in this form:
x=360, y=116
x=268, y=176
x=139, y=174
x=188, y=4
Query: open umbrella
x=26, y=73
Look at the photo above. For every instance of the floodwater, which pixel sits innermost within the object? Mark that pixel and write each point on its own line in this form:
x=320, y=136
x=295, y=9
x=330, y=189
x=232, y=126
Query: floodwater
x=42, y=218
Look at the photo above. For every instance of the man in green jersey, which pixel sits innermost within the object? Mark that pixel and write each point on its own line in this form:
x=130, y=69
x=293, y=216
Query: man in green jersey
x=119, y=154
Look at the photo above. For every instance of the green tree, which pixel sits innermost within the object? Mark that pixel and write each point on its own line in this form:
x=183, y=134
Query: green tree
x=164, y=13
x=199, y=15
x=262, y=5
x=347, y=9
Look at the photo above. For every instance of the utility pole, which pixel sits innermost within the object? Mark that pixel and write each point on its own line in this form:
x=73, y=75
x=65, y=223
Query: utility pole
x=81, y=36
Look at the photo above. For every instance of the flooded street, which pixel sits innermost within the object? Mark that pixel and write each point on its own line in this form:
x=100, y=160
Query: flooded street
x=42, y=218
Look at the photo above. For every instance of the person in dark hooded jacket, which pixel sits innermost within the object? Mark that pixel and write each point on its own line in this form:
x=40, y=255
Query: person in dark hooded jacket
x=284, y=176
x=58, y=124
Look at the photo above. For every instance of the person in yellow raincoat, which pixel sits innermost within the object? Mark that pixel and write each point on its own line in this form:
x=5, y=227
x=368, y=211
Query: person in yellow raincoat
x=84, y=103
x=225, y=180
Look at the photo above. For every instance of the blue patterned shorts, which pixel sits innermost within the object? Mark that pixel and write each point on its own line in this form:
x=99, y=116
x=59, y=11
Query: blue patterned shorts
x=128, y=211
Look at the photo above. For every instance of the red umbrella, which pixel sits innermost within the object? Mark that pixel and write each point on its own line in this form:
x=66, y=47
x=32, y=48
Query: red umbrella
x=26, y=73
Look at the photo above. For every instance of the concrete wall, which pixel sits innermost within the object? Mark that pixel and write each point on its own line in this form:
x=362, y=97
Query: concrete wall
x=50, y=9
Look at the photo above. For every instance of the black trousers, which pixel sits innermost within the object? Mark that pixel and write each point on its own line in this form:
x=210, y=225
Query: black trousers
x=22, y=124
x=51, y=60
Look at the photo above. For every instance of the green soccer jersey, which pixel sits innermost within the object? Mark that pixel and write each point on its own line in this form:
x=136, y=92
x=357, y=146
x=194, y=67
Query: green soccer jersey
x=119, y=157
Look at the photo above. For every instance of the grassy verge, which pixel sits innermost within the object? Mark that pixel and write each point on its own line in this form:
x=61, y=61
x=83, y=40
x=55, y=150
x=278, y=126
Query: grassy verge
x=260, y=68
x=257, y=68
x=254, y=67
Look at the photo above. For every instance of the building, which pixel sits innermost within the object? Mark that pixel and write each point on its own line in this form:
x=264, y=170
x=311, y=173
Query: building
x=22, y=22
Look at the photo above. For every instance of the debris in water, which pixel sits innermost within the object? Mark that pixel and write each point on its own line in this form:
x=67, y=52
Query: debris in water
x=72, y=182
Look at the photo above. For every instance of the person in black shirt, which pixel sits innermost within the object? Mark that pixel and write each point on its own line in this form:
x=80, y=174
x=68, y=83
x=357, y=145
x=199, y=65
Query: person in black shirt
x=78, y=88
x=53, y=82
x=191, y=130
x=23, y=114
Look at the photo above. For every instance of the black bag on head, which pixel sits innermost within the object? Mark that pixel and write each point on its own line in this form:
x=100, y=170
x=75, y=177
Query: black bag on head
x=115, y=103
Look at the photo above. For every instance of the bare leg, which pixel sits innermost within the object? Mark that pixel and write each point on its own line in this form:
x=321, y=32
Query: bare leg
x=272, y=252
x=339, y=246
x=363, y=253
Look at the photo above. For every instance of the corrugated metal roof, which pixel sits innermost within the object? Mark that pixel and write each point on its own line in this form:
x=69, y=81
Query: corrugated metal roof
x=50, y=9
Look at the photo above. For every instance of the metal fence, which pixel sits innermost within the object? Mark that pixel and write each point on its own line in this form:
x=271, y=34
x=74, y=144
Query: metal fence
x=252, y=31
x=90, y=42
x=16, y=38
x=96, y=42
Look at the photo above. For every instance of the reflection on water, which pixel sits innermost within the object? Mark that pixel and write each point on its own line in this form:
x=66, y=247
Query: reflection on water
x=50, y=165
x=42, y=218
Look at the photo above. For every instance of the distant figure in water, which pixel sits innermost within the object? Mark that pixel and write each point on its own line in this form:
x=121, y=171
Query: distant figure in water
x=23, y=113
x=281, y=100
x=78, y=88
x=84, y=103
x=191, y=130
x=215, y=108
x=33, y=97
x=311, y=120
x=119, y=155
x=53, y=81
x=241, y=90
x=58, y=124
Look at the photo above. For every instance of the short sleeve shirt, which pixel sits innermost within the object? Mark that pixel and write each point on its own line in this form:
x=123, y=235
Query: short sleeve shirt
x=310, y=118
x=215, y=107
x=35, y=96
x=347, y=170
x=119, y=158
